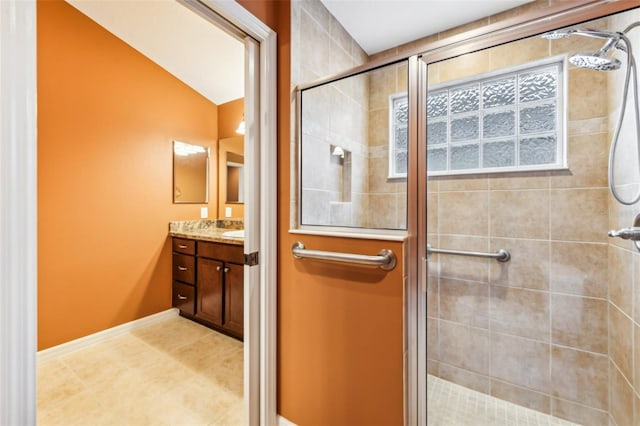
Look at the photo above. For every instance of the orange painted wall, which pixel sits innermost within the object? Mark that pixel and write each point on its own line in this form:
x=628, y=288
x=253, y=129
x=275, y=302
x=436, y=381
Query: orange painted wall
x=340, y=335
x=106, y=120
x=229, y=116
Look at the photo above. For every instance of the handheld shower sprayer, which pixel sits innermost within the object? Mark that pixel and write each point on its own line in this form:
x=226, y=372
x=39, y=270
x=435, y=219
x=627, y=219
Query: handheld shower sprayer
x=603, y=61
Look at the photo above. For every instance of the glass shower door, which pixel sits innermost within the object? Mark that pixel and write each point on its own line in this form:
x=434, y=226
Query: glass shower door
x=515, y=145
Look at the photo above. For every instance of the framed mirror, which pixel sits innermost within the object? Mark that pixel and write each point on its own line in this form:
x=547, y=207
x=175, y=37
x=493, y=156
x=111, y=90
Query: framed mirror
x=235, y=178
x=190, y=173
x=231, y=175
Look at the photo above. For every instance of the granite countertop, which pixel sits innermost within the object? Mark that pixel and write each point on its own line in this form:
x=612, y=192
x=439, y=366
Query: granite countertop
x=207, y=230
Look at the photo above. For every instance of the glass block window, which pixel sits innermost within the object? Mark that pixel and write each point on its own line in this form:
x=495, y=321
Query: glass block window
x=399, y=120
x=509, y=120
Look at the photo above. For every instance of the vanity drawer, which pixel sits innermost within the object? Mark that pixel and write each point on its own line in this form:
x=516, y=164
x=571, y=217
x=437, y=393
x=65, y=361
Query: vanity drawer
x=184, y=297
x=182, y=245
x=184, y=268
x=227, y=252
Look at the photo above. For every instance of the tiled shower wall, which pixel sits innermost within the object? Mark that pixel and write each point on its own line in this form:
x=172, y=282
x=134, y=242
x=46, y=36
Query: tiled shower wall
x=387, y=197
x=351, y=113
x=336, y=115
x=624, y=259
x=533, y=331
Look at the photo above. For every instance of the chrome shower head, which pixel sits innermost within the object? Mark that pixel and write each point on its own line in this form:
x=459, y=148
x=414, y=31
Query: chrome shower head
x=558, y=34
x=599, y=60
x=595, y=61
x=568, y=32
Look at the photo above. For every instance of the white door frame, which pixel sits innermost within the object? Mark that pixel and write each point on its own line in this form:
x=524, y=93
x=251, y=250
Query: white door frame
x=260, y=285
x=18, y=214
x=260, y=115
x=18, y=224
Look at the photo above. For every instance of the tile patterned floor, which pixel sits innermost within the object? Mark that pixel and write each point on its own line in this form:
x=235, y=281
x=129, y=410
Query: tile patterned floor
x=453, y=405
x=176, y=372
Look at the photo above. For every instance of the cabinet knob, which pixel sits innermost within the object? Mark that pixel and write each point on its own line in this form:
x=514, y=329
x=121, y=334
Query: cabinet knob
x=182, y=246
x=226, y=269
x=218, y=268
x=181, y=297
x=182, y=268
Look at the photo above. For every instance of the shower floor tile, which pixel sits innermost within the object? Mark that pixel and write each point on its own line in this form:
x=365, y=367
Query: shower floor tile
x=454, y=405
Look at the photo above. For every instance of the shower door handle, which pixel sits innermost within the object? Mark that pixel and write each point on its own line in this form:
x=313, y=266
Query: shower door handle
x=632, y=234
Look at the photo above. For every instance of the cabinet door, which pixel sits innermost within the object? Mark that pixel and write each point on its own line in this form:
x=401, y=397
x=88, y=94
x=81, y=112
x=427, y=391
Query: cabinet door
x=209, y=292
x=234, y=298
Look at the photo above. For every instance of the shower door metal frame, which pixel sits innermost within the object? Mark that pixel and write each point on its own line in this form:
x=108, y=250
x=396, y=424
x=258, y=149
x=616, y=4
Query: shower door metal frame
x=492, y=35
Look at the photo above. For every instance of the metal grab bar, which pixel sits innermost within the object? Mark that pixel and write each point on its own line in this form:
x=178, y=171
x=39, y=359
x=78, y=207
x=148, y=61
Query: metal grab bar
x=501, y=255
x=386, y=259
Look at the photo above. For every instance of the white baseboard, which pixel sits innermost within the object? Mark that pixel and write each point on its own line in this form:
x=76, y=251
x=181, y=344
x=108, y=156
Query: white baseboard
x=284, y=422
x=109, y=333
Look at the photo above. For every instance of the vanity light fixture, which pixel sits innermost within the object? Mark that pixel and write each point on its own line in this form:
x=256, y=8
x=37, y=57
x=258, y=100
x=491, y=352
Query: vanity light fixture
x=240, y=129
x=184, y=149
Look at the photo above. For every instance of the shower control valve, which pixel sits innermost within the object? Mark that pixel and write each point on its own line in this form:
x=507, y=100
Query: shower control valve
x=632, y=234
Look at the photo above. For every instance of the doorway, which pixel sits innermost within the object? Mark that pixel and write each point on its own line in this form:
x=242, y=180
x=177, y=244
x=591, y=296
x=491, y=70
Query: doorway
x=21, y=360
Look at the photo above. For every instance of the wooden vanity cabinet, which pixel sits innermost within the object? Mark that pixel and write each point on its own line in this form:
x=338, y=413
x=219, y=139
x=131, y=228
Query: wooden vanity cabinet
x=208, y=284
x=220, y=286
x=184, y=275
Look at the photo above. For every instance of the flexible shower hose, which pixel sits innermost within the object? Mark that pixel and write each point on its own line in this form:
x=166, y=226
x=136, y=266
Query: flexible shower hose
x=631, y=65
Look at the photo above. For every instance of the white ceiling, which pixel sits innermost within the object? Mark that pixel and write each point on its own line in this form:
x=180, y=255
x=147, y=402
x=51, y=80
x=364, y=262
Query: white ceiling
x=212, y=62
x=378, y=25
x=204, y=57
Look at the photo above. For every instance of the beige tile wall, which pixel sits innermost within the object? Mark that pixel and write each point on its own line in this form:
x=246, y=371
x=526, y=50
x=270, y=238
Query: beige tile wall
x=624, y=259
x=335, y=114
x=352, y=113
x=533, y=331
x=387, y=197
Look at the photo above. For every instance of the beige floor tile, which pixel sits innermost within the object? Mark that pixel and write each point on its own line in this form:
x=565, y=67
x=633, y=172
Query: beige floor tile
x=206, y=351
x=173, y=373
x=163, y=377
x=127, y=346
x=94, y=365
x=226, y=374
x=234, y=417
x=170, y=335
x=56, y=384
x=205, y=401
x=81, y=409
x=158, y=412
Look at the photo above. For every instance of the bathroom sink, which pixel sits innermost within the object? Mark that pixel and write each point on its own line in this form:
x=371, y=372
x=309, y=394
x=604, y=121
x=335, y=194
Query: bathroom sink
x=237, y=233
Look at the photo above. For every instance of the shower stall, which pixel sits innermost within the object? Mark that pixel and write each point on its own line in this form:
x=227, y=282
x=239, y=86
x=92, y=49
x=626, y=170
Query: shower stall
x=527, y=168
x=555, y=328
